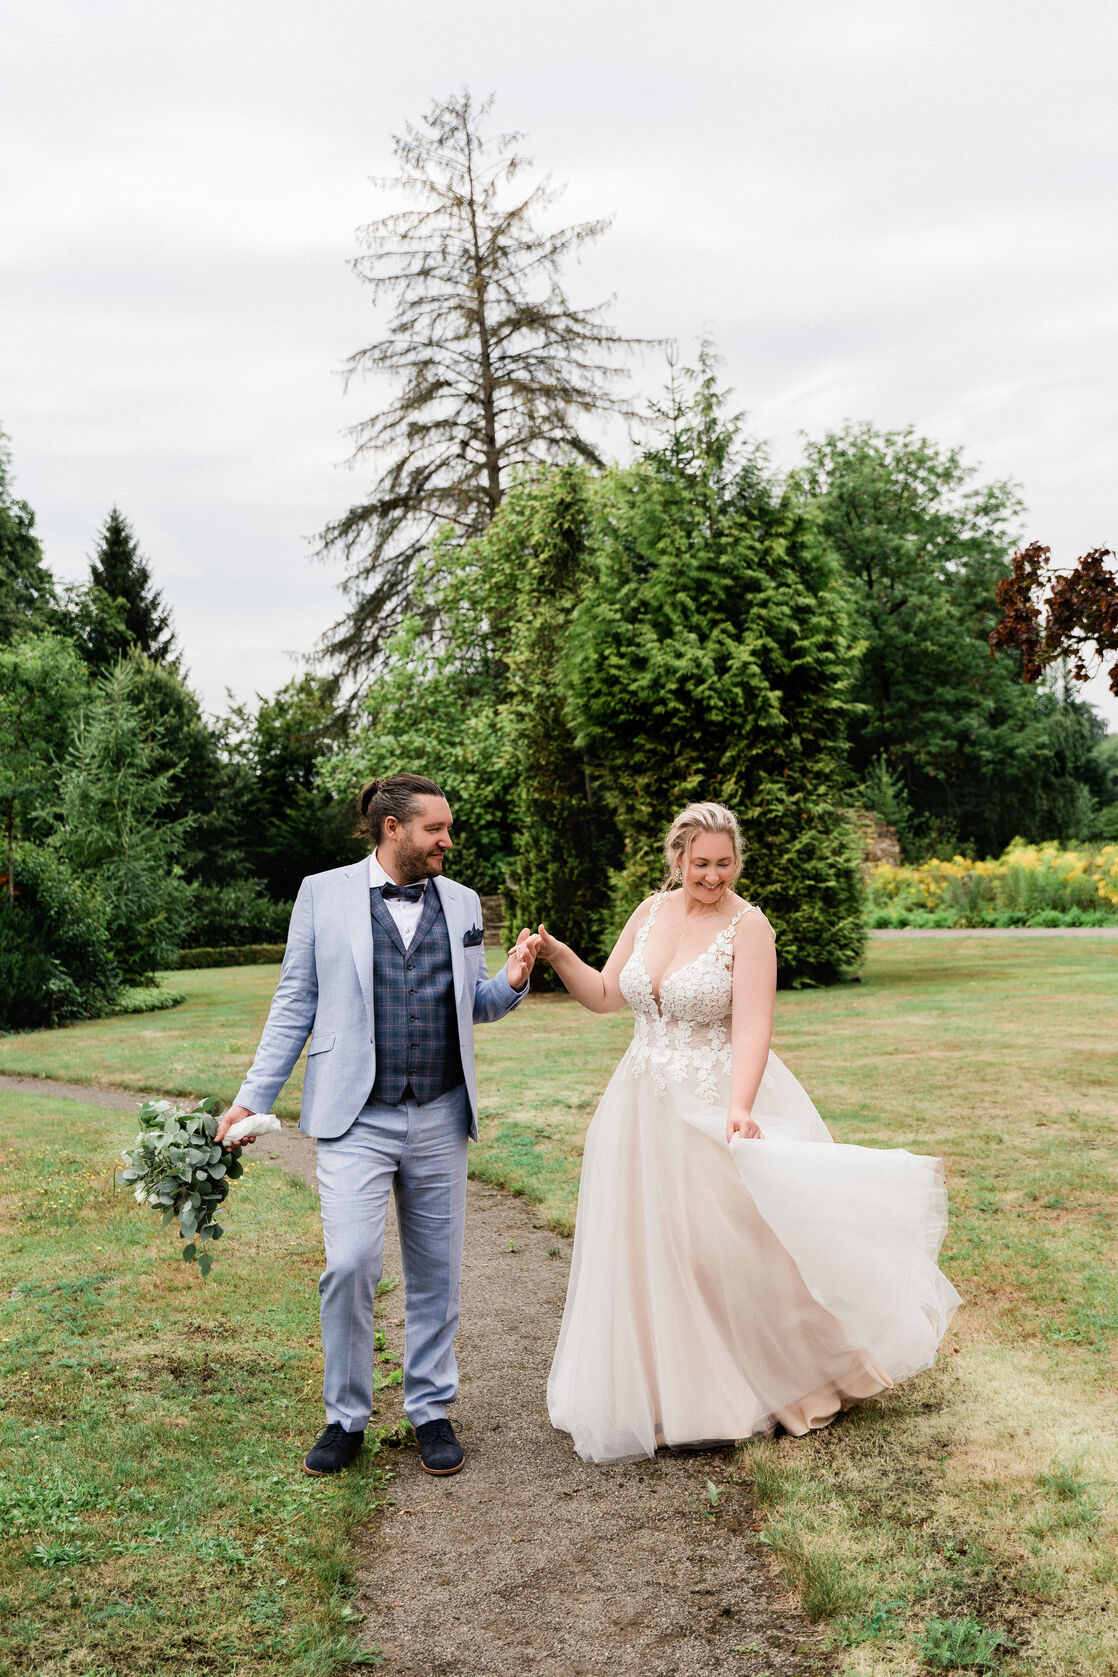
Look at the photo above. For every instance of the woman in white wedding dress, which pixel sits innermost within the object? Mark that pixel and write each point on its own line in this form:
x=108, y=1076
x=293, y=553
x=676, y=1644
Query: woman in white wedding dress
x=734, y=1269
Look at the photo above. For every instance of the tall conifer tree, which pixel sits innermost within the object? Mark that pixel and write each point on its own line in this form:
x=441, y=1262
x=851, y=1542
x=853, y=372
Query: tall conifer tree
x=121, y=573
x=495, y=368
x=27, y=596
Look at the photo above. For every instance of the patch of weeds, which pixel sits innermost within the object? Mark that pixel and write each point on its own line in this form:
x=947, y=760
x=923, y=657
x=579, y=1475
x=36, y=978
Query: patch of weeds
x=710, y=1499
x=961, y=1644
x=772, y=1480
x=227, y=1551
x=49, y=1500
x=829, y=1586
x=1040, y=1582
x=1074, y=1503
x=59, y=1554
x=265, y=1607
x=885, y=1618
x=554, y=1252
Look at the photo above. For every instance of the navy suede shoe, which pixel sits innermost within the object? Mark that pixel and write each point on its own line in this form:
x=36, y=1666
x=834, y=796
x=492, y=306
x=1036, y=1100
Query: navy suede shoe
x=439, y=1449
x=334, y=1450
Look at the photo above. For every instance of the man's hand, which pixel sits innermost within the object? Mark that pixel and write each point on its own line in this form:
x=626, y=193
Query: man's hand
x=740, y=1123
x=522, y=958
x=228, y=1119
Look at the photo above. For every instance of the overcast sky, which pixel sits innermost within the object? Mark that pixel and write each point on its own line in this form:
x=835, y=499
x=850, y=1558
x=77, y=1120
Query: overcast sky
x=886, y=211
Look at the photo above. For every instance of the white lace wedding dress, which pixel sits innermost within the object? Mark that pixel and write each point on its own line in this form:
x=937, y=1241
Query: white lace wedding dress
x=718, y=1290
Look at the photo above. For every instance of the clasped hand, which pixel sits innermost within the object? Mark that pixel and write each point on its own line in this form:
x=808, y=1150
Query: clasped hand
x=522, y=958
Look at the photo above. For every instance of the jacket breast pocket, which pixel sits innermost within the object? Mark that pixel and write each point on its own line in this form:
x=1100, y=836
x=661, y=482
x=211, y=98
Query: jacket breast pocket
x=319, y=1044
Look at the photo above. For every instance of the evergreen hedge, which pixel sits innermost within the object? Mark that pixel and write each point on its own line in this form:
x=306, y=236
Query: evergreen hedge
x=234, y=955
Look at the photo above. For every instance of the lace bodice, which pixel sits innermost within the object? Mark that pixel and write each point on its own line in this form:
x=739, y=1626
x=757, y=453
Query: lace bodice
x=686, y=1036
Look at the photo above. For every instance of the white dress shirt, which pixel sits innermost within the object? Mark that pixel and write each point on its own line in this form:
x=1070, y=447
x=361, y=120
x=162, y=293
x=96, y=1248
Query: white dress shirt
x=406, y=915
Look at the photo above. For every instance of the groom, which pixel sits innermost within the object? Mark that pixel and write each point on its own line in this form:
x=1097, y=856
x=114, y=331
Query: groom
x=385, y=972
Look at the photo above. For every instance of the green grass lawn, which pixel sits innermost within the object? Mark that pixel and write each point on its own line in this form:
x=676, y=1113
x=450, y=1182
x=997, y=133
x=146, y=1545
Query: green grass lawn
x=969, y=1517
x=154, y=1517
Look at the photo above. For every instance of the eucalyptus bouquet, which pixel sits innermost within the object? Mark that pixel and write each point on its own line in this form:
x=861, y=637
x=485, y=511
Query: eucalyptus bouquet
x=179, y=1169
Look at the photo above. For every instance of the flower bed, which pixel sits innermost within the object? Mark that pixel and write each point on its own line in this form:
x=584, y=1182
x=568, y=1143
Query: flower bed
x=1028, y=885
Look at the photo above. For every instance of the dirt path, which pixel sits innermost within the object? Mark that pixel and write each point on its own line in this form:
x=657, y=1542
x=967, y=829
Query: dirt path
x=531, y=1563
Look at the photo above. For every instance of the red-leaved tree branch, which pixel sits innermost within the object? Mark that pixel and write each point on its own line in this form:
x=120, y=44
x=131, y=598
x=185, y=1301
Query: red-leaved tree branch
x=1047, y=615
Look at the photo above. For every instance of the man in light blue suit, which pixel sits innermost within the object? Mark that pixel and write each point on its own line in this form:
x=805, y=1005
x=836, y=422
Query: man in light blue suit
x=385, y=973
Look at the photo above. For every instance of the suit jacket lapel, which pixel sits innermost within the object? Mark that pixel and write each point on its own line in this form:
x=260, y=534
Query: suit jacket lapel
x=380, y=908
x=360, y=929
x=454, y=933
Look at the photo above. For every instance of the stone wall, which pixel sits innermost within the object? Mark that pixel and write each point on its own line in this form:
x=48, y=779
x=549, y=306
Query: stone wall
x=879, y=840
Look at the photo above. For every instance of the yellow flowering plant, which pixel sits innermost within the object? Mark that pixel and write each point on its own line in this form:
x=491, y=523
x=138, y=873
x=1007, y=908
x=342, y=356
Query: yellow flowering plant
x=1028, y=884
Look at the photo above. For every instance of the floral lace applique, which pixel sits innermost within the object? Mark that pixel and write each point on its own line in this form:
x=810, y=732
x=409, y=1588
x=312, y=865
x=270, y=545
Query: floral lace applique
x=686, y=1037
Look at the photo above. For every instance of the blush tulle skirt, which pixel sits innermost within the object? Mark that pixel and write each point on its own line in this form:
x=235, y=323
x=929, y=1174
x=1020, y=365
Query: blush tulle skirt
x=717, y=1291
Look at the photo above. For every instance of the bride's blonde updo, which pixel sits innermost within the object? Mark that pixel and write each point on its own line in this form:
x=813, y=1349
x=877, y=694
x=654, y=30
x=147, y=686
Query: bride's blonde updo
x=688, y=824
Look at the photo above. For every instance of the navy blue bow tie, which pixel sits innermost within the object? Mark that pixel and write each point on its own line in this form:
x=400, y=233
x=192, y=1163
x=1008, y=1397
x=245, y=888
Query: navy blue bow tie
x=406, y=893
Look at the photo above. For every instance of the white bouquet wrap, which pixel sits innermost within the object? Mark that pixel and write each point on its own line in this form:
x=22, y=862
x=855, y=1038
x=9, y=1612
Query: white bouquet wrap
x=261, y=1123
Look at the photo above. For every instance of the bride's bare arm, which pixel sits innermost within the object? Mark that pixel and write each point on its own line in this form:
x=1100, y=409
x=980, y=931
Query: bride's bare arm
x=752, y=1024
x=598, y=991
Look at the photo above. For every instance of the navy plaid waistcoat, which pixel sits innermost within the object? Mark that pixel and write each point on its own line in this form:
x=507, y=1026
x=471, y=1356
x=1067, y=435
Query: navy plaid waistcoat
x=415, y=1024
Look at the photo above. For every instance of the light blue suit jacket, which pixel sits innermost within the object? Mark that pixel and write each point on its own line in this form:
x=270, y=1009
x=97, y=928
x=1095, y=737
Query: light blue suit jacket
x=325, y=992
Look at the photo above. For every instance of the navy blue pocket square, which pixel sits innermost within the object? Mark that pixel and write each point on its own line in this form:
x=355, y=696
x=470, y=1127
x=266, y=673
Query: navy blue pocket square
x=473, y=937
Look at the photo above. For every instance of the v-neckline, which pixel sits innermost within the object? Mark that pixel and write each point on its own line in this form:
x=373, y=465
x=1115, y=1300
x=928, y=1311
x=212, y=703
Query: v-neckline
x=665, y=975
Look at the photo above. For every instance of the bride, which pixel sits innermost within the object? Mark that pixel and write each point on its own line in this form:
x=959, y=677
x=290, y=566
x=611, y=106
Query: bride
x=734, y=1269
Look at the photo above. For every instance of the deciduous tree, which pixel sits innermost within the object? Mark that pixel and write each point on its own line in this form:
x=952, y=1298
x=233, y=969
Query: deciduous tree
x=1049, y=616
x=923, y=545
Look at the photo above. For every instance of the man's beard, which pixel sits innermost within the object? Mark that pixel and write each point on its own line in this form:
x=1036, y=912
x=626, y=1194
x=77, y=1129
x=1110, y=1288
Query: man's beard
x=416, y=862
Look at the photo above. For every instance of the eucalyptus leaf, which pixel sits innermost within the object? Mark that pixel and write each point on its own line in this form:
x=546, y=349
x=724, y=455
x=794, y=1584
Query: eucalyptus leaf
x=176, y=1167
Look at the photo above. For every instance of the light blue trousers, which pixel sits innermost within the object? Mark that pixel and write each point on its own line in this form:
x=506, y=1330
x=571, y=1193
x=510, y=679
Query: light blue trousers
x=419, y=1152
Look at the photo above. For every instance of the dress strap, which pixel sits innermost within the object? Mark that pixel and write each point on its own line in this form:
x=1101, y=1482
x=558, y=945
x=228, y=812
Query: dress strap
x=646, y=924
x=750, y=908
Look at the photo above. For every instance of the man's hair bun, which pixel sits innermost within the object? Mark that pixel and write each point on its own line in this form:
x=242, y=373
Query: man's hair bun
x=368, y=793
x=393, y=794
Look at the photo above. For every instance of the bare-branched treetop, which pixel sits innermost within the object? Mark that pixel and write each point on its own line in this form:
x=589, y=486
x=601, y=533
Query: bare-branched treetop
x=494, y=368
x=1049, y=616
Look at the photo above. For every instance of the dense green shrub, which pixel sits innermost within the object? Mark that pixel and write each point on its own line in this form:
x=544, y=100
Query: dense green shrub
x=710, y=658
x=114, y=831
x=148, y=998
x=56, y=961
x=539, y=554
x=238, y=913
